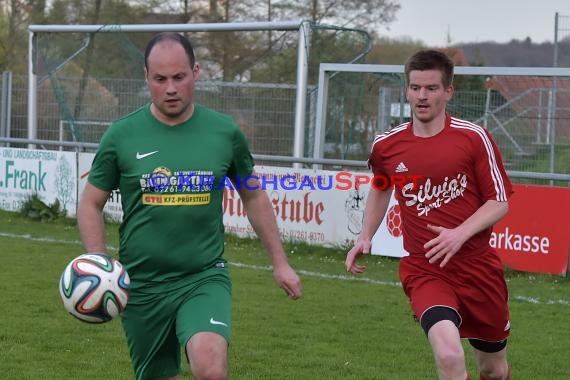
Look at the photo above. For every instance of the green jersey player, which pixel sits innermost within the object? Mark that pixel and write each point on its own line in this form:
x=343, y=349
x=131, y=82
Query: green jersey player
x=171, y=160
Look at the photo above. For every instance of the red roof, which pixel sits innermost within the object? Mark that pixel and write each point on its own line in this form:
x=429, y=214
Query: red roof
x=533, y=97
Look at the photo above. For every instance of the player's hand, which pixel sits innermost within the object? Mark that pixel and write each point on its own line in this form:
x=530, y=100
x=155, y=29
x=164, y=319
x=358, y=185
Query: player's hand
x=359, y=249
x=444, y=246
x=288, y=280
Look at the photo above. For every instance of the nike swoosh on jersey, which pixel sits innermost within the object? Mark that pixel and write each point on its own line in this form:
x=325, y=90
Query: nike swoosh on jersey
x=143, y=155
x=214, y=322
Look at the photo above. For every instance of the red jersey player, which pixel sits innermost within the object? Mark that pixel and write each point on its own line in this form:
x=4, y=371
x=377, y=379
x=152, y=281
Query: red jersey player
x=452, y=277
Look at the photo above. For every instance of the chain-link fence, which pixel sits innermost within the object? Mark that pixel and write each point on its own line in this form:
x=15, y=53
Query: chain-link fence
x=526, y=110
x=265, y=113
x=517, y=110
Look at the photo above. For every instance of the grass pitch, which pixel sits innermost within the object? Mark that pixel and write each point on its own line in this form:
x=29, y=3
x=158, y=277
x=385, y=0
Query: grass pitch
x=344, y=327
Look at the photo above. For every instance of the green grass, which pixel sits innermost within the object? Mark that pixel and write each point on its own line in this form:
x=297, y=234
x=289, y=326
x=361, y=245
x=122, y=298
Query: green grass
x=343, y=327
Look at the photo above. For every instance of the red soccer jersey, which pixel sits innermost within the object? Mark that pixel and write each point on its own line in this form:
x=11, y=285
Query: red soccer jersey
x=457, y=171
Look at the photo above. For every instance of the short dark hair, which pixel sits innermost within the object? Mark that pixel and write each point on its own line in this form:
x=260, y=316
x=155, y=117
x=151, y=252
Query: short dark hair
x=431, y=60
x=174, y=37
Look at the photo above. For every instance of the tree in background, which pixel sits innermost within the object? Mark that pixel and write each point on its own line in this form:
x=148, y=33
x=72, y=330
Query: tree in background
x=15, y=16
x=359, y=14
x=233, y=54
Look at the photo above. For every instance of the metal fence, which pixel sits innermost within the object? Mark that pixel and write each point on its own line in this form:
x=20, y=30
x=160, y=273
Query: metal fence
x=519, y=112
x=527, y=110
x=265, y=112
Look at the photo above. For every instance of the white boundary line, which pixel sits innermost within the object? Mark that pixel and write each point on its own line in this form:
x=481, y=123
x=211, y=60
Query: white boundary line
x=530, y=300
x=322, y=275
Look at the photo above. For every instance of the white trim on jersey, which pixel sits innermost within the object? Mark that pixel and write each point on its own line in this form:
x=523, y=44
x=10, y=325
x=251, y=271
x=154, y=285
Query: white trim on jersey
x=399, y=128
x=495, y=172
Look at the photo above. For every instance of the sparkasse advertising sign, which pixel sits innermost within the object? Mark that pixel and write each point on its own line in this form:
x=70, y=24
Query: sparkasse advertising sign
x=534, y=236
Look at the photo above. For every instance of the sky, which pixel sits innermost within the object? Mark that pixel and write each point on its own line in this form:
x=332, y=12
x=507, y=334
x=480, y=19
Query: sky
x=466, y=21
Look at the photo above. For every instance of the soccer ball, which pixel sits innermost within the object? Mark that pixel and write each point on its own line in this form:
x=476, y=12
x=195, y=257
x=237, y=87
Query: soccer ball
x=94, y=287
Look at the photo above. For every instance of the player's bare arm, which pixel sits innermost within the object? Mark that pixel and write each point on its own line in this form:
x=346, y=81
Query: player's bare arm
x=376, y=206
x=449, y=241
x=90, y=218
x=262, y=219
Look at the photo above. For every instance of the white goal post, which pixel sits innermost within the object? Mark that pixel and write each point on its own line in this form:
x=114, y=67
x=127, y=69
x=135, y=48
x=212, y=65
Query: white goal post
x=302, y=59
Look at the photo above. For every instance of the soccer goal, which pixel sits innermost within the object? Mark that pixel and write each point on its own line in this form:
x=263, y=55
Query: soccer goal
x=527, y=109
x=261, y=73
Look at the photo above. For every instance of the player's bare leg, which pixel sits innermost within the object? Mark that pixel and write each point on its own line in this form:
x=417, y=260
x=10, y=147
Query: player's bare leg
x=448, y=351
x=208, y=356
x=492, y=366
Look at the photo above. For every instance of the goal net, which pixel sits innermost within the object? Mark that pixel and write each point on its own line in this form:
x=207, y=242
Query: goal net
x=527, y=110
x=87, y=79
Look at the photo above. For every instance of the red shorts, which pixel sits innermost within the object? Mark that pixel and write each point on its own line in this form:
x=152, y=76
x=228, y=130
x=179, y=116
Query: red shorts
x=474, y=286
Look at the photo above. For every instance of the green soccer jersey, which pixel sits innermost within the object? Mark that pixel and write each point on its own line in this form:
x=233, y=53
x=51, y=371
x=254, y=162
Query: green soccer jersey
x=171, y=180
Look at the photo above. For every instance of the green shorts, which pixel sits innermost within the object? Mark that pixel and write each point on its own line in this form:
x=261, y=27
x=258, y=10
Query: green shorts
x=158, y=324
